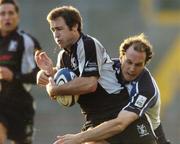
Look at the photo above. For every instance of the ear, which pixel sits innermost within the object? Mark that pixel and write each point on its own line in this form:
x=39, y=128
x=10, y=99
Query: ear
x=75, y=27
x=120, y=58
x=18, y=18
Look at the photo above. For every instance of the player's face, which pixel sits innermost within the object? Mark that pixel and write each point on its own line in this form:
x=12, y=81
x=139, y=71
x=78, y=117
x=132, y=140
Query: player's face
x=63, y=36
x=9, y=18
x=132, y=64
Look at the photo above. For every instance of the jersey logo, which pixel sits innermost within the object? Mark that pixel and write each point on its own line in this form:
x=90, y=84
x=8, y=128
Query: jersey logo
x=142, y=130
x=13, y=46
x=90, y=66
x=140, y=101
x=73, y=62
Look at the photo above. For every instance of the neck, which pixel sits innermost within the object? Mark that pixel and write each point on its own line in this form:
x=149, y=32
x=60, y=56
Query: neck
x=5, y=33
x=74, y=40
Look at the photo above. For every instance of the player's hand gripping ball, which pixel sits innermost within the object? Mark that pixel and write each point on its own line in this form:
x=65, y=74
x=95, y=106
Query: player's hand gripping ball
x=61, y=77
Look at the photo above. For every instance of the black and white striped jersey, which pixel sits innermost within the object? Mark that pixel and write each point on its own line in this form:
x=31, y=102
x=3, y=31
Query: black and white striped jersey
x=17, y=54
x=16, y=102
x=89, y=58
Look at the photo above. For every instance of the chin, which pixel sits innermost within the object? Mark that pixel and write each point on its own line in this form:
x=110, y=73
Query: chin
x=129, y=79
x=8, y=29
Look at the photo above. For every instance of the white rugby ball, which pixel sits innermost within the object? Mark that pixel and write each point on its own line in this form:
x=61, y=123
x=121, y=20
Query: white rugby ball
x=62, y=76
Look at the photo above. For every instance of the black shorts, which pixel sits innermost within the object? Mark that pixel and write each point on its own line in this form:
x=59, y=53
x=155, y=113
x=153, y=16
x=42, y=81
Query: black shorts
x=139, y=132
x=18, y=118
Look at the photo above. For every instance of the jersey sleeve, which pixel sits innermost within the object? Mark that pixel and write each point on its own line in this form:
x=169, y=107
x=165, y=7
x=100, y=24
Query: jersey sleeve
x=143, y=94
x=29, y=68
x=90, y=56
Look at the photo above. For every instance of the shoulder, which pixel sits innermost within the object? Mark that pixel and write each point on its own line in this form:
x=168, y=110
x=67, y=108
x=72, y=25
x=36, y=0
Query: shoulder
x=145, y=77
x=146, y=83
x=29, y=39
x=90, y=41
x=27, y=35
x=23, y=33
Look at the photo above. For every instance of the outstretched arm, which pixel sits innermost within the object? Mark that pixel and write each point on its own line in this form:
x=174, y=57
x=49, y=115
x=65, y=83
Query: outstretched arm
x=102, y=131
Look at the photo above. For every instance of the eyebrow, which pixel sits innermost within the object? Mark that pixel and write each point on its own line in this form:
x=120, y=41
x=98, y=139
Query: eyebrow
x=135, y=63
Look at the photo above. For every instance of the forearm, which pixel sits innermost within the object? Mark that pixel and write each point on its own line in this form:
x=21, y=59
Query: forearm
x=102, y=131
x=109, y=128
x=78, y=86
x=26, y=78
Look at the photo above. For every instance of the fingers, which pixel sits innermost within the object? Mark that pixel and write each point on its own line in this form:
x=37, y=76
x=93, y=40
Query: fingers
x=50, y=88
x=37, y=53
x=42, y=79
x=59, y=140
x=43, y=55
x=1, y=72
x=36, y=56
x=6, y=73
x=42, y=82
x=51, y=81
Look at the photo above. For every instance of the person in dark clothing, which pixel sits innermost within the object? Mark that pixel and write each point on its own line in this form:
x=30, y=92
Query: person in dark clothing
x=17, y=72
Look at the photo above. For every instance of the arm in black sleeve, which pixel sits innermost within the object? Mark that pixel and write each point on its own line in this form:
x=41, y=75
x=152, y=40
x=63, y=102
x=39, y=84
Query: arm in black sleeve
x=29, y=68
x=27, y=78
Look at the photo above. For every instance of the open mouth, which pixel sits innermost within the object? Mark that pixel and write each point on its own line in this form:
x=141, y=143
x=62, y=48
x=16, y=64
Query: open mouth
x=7, y=24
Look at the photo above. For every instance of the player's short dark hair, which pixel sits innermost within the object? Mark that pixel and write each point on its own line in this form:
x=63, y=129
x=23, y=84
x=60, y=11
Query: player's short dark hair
x=70, y=14
x=13, y=2
x=140, y=43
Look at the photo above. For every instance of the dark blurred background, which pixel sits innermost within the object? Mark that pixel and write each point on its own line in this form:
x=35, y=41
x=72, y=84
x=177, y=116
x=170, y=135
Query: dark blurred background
x=111, y=21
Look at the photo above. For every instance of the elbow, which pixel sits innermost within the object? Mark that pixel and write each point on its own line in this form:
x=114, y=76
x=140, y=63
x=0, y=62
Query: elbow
x=120, y=127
